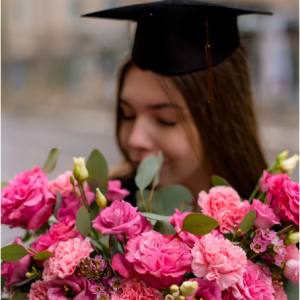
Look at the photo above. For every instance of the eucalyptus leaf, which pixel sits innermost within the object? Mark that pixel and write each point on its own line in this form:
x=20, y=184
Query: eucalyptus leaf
x=155, y=216
x=146, y=172
x=58, y=202
x=248, y=221
x=217, y=180
x=284, y=230
x=146, y=195
x=42, y=255
x=13, y=252
x=22, y=282
x=199, y=224
x=114, y=246
x=94, y=211
x=98, y=172
x=27, y=236
x=3, y=185
x=83, y=222
x=51, y=160
x=164, y=227
x=160, y=159
x=21, y=297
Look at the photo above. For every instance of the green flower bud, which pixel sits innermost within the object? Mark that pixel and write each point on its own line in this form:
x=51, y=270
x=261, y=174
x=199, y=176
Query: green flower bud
x=288, y=165
x=282, y=156
x=188, y=288
x=292, y=238
x=180, y=298
x=80, y=171
x=100, y=199
x=174, y=288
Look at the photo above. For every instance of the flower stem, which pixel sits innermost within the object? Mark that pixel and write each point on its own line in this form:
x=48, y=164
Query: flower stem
x=143, y=201
x=150, y=197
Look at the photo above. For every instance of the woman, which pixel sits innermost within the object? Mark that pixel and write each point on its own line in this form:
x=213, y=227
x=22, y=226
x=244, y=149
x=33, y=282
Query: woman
x=185, y=54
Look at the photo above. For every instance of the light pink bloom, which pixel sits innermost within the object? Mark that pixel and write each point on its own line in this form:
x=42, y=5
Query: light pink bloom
x=265, y=216
x=219, y=260
x=216, y=232
x=291, y=270
x=292, y=252
x=136, y=289
x=279, y=293
x=62, y=184
x=223, y=204
x=120, y=218
x=177, y=220
x=284, y=197
x=15, y=271
x=159, y=260
x=38, y=291
x=66, y=257
x=206, y=290
x=26, y=201
x=115, y=192
x=264, y=182
x=254, y=285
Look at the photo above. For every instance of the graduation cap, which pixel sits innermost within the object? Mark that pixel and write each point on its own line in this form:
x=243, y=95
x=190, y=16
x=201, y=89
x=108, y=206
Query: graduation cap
x=175, y=37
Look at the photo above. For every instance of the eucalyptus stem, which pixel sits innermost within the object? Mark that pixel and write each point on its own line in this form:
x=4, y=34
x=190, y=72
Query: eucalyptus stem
x=143, y=201
x=81, y=189
x=125, y=237
x=150, y=197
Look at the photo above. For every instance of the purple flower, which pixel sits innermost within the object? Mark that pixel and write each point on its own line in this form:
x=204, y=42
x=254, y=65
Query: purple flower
x=267, y=234
x=266, y=270
x=279, y=247
x=259, y=245
x=268, y=259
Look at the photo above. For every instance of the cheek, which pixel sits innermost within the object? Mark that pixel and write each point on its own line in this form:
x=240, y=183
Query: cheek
x=124, y=133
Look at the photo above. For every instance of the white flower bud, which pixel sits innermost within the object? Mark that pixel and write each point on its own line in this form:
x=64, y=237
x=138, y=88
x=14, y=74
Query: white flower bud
x=80, y=171
x=174, y=288
x=282, y=156
x=292, y=238
x=169, y=297
x=288, y=165
x=100, y=199
x=188, y=288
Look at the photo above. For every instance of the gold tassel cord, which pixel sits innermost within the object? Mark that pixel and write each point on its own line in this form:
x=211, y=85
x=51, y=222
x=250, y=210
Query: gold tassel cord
x=210, y=79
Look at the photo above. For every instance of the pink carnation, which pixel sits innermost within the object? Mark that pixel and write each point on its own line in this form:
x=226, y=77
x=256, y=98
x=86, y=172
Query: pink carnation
x=120, y=218
x=38, y=291
x=62, y=184
x=219, y=260
x=223, y=204
x=264, y=182
x=115, y=192
x=66, y=257
x=26, y=201
x=254, y=285
x=279, y=293
x=265, y=216
x=177, y=220
x=136, y=289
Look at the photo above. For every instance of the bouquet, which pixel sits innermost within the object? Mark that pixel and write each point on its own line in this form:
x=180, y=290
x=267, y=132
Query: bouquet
x=84, y=242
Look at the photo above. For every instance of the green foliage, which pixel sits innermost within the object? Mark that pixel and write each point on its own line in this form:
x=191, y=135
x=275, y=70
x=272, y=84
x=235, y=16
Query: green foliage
x=13, y=252
x=160, y=159
x=83, y=222
x=248, y=221
x=155, y=216
x=164, y=227
x=25, y=281
x=216, y=181
x=3, y=185
x=199, y=224
x=285, y=230
x=21, y=297
x=113, y=246
x=58, y=202
x=51, y=160
x=94, y=211
x=98, y=172
x=43, y=255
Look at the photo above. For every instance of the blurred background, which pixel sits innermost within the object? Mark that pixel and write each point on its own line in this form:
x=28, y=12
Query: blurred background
x=59, y=75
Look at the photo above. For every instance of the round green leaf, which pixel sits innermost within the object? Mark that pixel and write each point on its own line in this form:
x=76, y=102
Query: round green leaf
x=155, y=216
x=58, y=202
x=43, y=255
x=13, y=252
x=51, y=160
x=83, y=222
x=216, y=181
x=199, y=224
x=160, y=159
x=164, y=227
x=248, y=221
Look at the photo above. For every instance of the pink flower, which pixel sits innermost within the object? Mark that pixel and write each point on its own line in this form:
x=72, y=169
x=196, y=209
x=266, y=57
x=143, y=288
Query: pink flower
x=279, y=293
x=70, y=205
x=26, y=201
x=206, y=290
x=284, y=197
x=120, y=218
x=15, y=271
x=65, y=259
x=264, y=182
x=136, y=289
x=115, y=192
x=216, y=232
x=291, y=270
x=62, y=184
x=223, y=204
x=159, y=260
x=254, y=285
x=219, y=260
x=292, y=252
x=177, y=220
x=38, y=291
x=265, y=216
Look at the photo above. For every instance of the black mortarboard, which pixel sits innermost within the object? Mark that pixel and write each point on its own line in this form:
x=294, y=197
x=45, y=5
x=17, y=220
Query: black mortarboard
x=171, y=35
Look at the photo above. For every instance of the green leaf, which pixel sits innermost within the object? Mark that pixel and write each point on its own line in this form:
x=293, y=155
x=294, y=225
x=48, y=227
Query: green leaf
x=3, y=185
x=155, y=216
x=58, y=202
x=22, y=282
x=284, y=230
x=94, y=211
x=216, y=180
x=248, y=221
x=146, y=172
x=98, y=172
x=21, y=297
x=83, y=222
x=199, y=224
x=228, y=236
x=164, y=227
x=160, y=159
x=13, y=252
x=51, y=160
x=42, y=255
x=113, y=246
x=27, y=236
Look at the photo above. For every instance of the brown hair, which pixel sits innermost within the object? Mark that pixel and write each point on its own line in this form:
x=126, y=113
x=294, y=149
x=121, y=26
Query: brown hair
x=227, y=127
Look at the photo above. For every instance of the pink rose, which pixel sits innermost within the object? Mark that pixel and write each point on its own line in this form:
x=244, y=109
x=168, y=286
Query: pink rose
x=264, y=182
x=177, y=220
x=66, y=257
x=284, y=197
x=15, y=271
x=219, y=260
x=62, y=184
x=254, y=285
x=206, y=290
x=120, y=218
x=136, y=289
x=223, y=204
x=38, y=291
x=279, y=293
x=292, y=252
x=26, y=201
x=159, y=260
x=115, y=192
x=265, y=216
x=291, y=270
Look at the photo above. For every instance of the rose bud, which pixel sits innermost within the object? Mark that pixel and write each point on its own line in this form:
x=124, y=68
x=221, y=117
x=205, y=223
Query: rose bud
x=188, y=288
x=100, y=199
x=288, y=165
x=80, y=171
x=292, y=238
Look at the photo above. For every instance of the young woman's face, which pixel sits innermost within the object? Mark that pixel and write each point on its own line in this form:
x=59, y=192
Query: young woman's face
x=150, y=122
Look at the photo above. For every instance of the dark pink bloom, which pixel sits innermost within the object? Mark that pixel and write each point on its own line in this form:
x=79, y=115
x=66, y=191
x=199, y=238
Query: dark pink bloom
x=176, y=220
x=279, y=293
x=15, y=271
x=264, y=182
x=115, y=192
x=120, y=218
x=38, y=291
x=206, y=290
x=26, y=201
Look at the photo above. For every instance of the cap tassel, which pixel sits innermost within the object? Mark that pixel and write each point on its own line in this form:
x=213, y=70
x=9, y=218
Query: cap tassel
x=210, y=79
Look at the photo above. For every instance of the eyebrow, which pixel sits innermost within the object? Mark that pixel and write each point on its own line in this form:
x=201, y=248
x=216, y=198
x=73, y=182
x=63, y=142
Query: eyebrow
x=152, y=106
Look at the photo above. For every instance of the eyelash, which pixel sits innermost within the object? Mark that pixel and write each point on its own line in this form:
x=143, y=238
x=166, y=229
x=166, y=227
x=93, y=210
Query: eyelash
x=162, y=122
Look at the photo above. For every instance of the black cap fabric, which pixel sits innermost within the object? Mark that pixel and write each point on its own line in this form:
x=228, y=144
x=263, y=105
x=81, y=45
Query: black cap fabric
x=171, y=35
